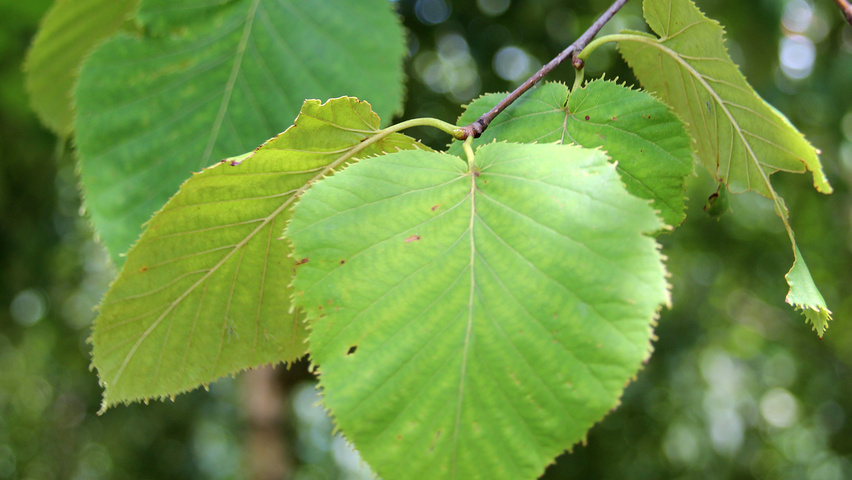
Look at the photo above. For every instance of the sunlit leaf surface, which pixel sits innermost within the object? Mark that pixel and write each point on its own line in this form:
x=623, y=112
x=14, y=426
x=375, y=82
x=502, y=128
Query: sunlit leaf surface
x=204, y=293
x=475, y=323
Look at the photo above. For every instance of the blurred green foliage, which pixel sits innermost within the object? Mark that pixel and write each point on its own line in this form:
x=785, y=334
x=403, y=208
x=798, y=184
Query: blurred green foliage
x=739, y=387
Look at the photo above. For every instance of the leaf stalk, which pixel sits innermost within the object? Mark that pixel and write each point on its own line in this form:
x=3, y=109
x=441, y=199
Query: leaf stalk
x=588, y=49
x=468, y=151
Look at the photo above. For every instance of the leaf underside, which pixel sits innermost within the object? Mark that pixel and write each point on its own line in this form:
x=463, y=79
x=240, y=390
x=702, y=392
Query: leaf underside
x=638, y=131
x=204, y=292
x=475, y=324
x=736, y=135
x=202, y=82
x=68, y=32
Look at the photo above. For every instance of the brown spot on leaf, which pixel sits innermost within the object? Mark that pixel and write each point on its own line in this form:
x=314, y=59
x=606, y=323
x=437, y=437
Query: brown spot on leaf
x=412, y=238
x=587, y=118
x=352, y=349
x=143, y=269
x=342, y=262
x=302, y=261
x=436, y=206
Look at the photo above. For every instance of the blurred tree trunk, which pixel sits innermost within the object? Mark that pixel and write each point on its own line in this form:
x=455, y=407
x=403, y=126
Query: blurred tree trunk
x=268, y=455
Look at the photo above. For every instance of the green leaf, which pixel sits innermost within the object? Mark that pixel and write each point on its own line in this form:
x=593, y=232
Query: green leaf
x=473, y=324
x=207, y=80
x=639, y=132
x=805, y=296
x=740, y=138
x=737, y=135
x=68, y=32
x=204, y=292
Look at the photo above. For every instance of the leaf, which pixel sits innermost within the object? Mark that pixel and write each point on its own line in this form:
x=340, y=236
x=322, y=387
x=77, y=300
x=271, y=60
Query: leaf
x=473, y=324
x=203, y=293
x=805, y=296
x=68, y=33
x=639, y=132
x=208, y=80
x=740, y=138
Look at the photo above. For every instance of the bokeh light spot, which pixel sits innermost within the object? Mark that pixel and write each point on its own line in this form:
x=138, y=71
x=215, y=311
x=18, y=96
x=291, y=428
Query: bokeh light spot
x=511, y=63
x=432, y=12
x=779, y=408
x=28, y=307
x=493, y=8
x=797, y=16
x=796, y=54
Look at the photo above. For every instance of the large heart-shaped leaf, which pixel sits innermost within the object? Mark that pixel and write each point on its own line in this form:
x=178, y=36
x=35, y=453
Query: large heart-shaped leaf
x=204, y=292
x=639, y=132
x=68, y=32
x=475, y=322
x=204, y=81
x=740, y=138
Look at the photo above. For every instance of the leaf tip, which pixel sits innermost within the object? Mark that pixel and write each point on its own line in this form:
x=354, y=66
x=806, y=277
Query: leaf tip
x=817, y=315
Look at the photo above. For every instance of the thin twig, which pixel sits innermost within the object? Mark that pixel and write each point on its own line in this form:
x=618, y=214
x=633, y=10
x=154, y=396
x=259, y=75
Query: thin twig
x=476, y=128
x=846, y=8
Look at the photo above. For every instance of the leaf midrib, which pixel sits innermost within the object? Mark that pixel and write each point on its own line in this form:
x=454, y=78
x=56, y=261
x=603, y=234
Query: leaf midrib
x=350, y=153
x=740, y=133
x=232, y=79
x=466, y=345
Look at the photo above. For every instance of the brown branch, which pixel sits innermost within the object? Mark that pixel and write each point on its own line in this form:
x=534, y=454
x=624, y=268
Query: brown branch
x=846, y=8
x=476, y=128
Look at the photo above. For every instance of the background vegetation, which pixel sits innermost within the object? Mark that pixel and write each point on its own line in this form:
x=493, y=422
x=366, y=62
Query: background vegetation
x=739, y=386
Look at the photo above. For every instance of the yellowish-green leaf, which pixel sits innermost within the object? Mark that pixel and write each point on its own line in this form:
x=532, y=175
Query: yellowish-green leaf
x=204, y=292
x=473, y=321
x=740, y=138
x=737, y=135
x=805, y=296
